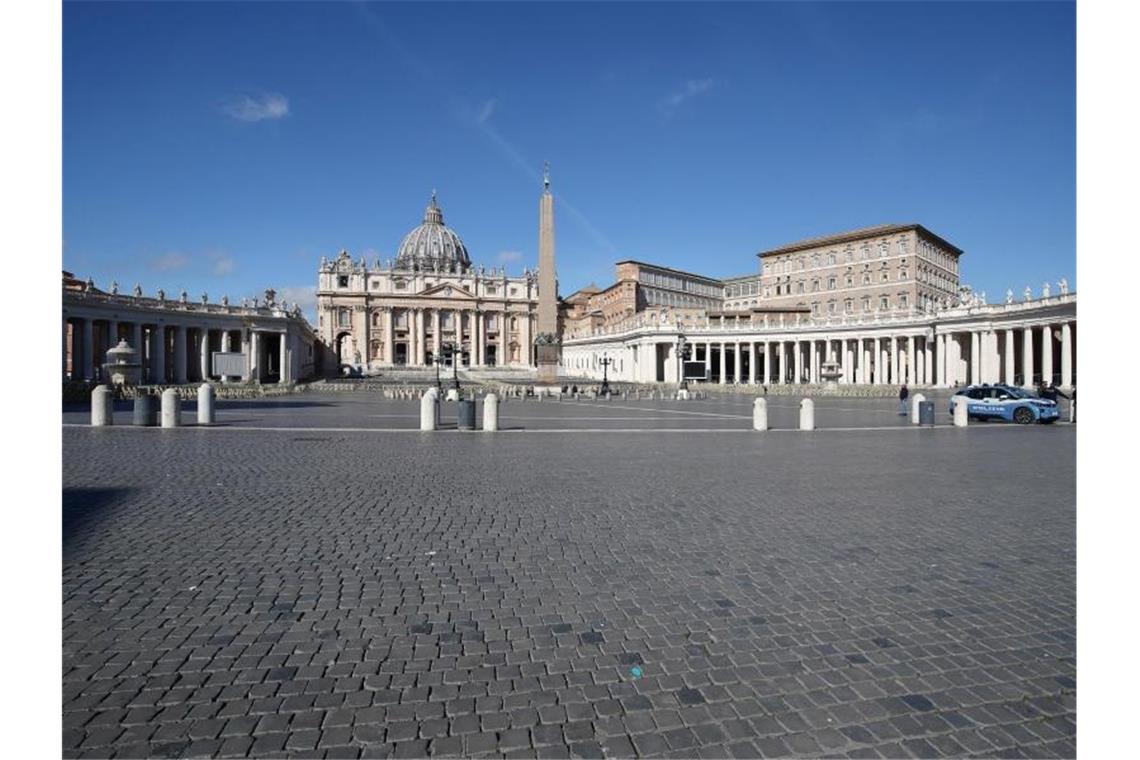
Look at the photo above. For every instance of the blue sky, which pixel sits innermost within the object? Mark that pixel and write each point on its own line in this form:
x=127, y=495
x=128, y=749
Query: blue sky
x=225, y=147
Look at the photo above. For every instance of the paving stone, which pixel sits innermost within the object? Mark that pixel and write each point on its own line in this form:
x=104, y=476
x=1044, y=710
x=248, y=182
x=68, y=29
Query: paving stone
x=809, y=616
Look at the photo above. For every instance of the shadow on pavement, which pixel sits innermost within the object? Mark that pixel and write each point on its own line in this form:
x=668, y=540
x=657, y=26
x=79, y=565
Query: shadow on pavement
x=84, y=507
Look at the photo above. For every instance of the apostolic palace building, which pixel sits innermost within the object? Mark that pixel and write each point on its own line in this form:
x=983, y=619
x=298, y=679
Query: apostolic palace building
x=879, y=305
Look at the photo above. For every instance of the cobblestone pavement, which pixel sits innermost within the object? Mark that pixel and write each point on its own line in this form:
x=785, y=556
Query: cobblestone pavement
x=340, y=594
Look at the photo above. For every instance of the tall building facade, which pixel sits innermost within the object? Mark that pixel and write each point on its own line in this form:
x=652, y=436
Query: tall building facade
x=430, y=301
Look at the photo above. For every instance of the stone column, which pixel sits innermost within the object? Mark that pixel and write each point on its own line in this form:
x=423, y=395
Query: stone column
x=912, y=364
x=752, y=361
x=501, y=358
x=928, y=364
x=940, y=375
x=63, y=375
x=1066, y=356
x=245, y=349
x=204, y=349
x=284, y=376
x=112, y=334
x=797, y=346
x=723, y=370
x=815, y=362
x=390, y=337
x=708, y=359
x=255, y=356
x=881, y=371
x=1009, y=371
x=436, y=338
x=420, y=343
x=480, y=332
x=1047, y=354
x=180, y=354
x=975, y=357
x=1027, y=357
x=158, y=355
x=86, y=361
x=527, y=346
x=738, y=369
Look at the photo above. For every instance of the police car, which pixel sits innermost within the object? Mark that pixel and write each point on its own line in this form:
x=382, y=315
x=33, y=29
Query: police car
x=1005, y=402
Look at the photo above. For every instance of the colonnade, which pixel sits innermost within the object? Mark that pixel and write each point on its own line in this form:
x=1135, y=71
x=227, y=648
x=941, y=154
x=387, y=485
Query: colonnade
x=413, y=336
x=177, y=353
x=1022, y=352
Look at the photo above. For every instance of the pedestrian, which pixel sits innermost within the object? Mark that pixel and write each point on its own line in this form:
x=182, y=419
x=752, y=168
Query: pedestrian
x=1073, y=405
x=904, y=394
x=765, y=390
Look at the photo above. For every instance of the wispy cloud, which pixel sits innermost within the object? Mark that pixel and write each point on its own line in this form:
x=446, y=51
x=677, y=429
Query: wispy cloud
x=508, y=257
x=487, y=110
x=266, y=105
x=221, y=263
x=304, y=296
x=689, y=89
x=168, y=262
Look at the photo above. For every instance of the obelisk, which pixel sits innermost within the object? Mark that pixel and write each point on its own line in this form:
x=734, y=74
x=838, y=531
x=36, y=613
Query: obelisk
x=547, y=340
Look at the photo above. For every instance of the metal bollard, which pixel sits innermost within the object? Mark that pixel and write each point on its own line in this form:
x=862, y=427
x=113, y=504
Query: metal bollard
x=915, y=401
x=146, y=410
x=961, y=412
x=759, y=414
x=102, y=411
x=171, y=409
x=205, y=404
x=429, y=411
x=807, y=414
x=491, y=412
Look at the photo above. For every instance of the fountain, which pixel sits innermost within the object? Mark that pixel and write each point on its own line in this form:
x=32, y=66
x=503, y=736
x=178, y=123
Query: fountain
x=830, y=372
x=122, y=366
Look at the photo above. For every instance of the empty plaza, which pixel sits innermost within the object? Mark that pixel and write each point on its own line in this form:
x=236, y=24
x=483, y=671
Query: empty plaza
x=313, y=577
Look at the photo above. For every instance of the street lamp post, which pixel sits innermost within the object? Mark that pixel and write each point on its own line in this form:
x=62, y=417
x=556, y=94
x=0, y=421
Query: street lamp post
x=605, y=362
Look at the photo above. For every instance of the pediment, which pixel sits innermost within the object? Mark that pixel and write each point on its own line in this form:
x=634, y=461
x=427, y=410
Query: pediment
x=447, y=290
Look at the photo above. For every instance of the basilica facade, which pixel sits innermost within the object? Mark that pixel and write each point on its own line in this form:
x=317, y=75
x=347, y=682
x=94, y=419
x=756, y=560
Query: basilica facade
x=431, y=302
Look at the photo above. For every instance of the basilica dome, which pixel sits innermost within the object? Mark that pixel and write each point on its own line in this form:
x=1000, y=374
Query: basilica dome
x=433, y=245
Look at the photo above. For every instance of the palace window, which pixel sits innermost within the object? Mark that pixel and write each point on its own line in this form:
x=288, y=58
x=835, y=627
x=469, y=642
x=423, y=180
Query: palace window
x=831, y=258
x=514, y=323
x=902, y=300
x=849, y=280
x=343, y=319
x=831, y=283
x=866, y=278
x=401, y=285
x=342, y=281
x=800, y=286
x=850, y=256
x=815, y=308
x=886, y=276
x=848, y=306
x=902, y=273
x=884, y=303
x=902, y=246
x=375, y=319
x=815, y=285
x=831, y=307
x=866, y=303
x=883, y=250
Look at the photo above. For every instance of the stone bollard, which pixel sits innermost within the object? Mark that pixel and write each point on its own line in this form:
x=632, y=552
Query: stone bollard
x=205, y=404
x=961, y=412
x=171, y=409
x=682, y=395
x=491, y=412
x=807, y=414
x=102, y=411
x=915, y=400
x=428, y=410
x=146, y=410
x=759, y=414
